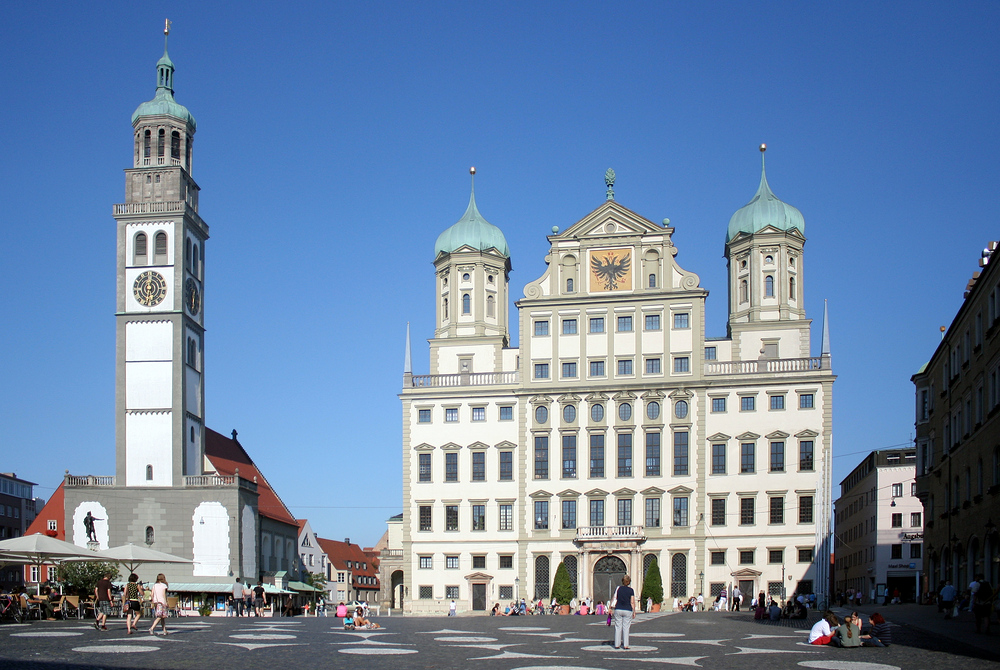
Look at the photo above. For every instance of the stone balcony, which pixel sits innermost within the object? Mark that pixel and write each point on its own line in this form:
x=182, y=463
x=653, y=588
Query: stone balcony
x=610, y=534
x=195, y=481
x=767, y=366
x=461, y=379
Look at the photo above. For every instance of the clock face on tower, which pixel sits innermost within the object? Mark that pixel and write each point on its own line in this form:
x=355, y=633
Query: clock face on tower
x=150, y=288
x=192, y=297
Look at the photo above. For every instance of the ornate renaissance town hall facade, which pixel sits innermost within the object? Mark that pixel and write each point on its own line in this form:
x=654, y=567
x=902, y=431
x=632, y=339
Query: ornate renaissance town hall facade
x=617, y=431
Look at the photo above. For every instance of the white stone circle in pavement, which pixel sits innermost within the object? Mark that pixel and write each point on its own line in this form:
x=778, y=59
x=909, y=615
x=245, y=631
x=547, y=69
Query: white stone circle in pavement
x=47, y=633
x=455, y=638
x=556, y=667
x=656, y=634
x=114, y=649
x=606, y=648
x=523, y=628
x=376, y=651
x=263, y=636
x=846, y=665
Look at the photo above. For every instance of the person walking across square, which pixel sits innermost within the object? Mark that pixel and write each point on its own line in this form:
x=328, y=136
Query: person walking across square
x=624, y=606
x=102, y=593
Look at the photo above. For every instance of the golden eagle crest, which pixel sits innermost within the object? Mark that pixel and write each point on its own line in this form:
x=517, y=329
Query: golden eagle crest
x=612, y=268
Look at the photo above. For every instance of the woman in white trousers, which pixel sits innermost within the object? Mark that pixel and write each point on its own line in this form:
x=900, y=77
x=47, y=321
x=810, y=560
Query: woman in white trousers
x=625, y=607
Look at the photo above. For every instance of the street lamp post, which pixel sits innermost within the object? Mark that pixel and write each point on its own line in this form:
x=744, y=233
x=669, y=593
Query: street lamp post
x=517, y=583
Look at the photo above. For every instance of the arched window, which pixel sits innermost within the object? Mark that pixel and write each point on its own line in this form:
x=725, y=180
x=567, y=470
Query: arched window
x=647, y=561
x=466, y=303
x=192, y=433
x=445, y=310
x=569, y=285
x=571, y=568
x=140, y=249
x=149, y=535
x=149, y=473
x=652, y=281
x=192, y=352
x=161, y=145
x=147, y=142
x=743, y=290
x=187, y=154
x=791, y=288
x=490, y=306
x=187, y=252
x=769, y=286
x=160, y=249
x=175, y=145
x=678, y=576
x=542, y=578
x=194, y=261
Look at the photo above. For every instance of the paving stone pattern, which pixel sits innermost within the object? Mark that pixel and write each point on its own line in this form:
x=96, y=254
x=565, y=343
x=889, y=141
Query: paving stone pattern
x=705, y=640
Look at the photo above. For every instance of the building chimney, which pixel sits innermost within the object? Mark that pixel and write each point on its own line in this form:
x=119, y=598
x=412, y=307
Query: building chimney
x=347, y=540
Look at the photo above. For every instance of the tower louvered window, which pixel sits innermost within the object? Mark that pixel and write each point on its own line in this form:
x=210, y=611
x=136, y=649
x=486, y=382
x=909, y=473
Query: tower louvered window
x=140, y=249
x=160, y=248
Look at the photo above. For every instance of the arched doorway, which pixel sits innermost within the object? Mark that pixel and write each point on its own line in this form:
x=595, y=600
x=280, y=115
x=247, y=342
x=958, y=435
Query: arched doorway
x=608, y=573
x=396, y=579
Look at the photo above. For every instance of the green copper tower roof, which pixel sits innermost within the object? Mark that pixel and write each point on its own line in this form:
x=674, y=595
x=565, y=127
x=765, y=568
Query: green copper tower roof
x=472, y=230
x=163, y=104
x=764, y=210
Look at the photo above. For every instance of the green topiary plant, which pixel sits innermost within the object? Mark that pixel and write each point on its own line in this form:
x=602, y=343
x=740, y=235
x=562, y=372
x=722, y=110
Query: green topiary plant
x=562, y=589
x=652, y=584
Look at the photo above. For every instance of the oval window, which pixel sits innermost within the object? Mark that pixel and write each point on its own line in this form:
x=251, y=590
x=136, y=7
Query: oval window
x=597, y=412
x=681, y=409
x=465, y=277
x=541, y=414
x=490, y=279
x=624, y=411
x=569, y=413
x=768, y=259
x=653, y=409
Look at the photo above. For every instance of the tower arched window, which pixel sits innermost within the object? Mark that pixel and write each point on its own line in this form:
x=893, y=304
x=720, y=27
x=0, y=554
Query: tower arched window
x=791, y=288
x=187, y=154
x=160, y=248
x=769, y=286
x=139, y=249
x=147, y=144
x=652, y=281
x=175, y=145
x=149, y=473
x=490, y=306
x=466, y=303
x=445, y=309
x=569, y=285
x=161, y=145
x=187, y=252
x=194, y=261
x=192, y=352
x=743, y=291
x=149, y=535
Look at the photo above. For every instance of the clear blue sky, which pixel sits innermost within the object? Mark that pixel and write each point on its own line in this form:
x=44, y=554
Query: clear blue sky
x=333, y=145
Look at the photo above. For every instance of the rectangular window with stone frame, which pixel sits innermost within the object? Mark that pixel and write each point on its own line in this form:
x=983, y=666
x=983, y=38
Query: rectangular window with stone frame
x=451, y=517
x=424, y=512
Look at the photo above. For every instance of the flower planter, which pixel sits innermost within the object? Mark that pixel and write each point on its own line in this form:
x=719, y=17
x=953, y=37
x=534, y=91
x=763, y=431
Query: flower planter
x=564, y=609
x=656, y=607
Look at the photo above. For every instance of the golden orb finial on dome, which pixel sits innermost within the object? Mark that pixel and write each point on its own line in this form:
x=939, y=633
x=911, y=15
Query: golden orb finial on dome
x=472, y=170
x=763, y=148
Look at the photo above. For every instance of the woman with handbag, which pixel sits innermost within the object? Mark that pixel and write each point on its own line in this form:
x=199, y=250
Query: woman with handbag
x=624, y=611
x=131, y=603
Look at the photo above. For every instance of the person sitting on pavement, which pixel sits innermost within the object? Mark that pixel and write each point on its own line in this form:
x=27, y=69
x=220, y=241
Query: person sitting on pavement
x=879, y=634
x=822, y=630
x=848, y=634
x=774, y=611
x=496, y=610
x=361, y=622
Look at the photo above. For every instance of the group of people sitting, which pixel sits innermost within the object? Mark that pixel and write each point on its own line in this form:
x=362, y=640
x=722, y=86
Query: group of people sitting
x=355, y=620
x=830, y=630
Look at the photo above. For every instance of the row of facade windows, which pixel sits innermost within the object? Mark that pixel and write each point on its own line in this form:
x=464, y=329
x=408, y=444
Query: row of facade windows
x=467, y=306
x=568, y=463
x=141, y=249
x=768, y=289
x=453, y=562
x=623, y=510
x=748, y=403
x=682, y=321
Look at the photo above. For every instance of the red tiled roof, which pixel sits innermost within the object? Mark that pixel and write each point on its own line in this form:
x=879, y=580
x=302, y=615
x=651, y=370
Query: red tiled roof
x=227, y=455
x=54, y=510
x=341, y=552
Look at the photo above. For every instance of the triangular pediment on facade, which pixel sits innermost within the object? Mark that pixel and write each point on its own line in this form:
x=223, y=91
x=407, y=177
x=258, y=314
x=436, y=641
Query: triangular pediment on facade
x=652, y=491
x=423, y=446
x=479, y=445
x=746, y=572
x=451, y=446
x=680, y=394
x=597, y=397
x=468, y=249
x=624, y=395
x=718, y=437
x=568, y=493
x=777, y=435
x=479, y=577
x=622, y=492
x=652, y=395
x=506, y=444
x=596, y=493
x=540, y=494
x=610, y=220
x=568, y=398
x=540, y=400
x=680, y=491
x=747, y=436
x=808, y=432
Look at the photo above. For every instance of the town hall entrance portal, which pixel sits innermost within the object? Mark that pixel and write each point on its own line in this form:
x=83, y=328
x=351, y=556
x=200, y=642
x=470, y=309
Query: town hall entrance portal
x=608, y=573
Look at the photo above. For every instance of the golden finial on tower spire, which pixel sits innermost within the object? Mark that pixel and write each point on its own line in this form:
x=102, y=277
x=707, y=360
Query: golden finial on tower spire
x=763, y=148
x=166, y=26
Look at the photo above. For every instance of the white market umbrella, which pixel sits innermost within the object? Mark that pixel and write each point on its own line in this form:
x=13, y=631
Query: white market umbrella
x=132, y=556
x=40, y=549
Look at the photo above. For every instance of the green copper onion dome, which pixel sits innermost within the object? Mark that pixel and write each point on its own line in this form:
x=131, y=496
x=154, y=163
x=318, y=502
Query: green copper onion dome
x=764, y=210
x=472, y=230
x=163, y=103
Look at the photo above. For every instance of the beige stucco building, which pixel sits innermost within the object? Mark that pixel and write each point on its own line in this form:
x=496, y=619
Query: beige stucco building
x=617, y=431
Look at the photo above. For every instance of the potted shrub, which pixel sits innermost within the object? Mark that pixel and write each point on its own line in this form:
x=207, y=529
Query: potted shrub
x=562, y=589
x=652, y=585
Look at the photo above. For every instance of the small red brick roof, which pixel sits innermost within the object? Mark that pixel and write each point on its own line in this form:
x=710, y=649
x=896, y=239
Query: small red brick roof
x=340, y=553
x=227, y=455
x=54, y=510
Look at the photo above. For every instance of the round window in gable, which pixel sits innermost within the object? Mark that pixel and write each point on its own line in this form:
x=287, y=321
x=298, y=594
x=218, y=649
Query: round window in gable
x=541, y=414
x=597, y=412
x=653, y=409
x=465, y=277
x=624, y=411
x=569, y=413
x=681, y=409
x=768, y=259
